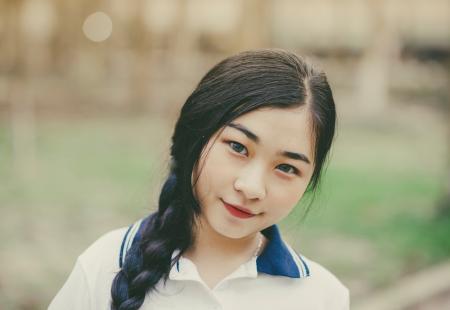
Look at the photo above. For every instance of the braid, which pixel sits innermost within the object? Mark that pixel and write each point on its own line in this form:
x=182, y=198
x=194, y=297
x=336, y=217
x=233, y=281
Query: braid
x=150, y=259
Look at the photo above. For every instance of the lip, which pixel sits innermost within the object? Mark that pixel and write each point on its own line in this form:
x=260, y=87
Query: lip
x=238, y=211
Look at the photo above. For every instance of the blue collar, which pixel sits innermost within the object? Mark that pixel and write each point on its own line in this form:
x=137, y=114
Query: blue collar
x=277, y=259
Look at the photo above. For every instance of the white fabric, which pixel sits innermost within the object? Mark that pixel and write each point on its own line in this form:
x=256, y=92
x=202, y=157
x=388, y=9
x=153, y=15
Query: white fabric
x=89, y=286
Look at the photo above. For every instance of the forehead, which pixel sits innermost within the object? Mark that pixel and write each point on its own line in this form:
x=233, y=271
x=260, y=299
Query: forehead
x=283, y=129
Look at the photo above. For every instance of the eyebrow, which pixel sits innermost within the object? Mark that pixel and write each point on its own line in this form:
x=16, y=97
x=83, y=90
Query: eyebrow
x=256, y=139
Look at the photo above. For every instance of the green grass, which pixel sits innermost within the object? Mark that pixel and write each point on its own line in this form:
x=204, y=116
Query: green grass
x=373, y=220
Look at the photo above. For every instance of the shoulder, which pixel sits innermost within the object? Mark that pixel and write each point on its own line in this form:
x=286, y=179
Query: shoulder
x=315, y=271
x=89, y=283
x=321, y=283
x=323, y=276
x=327, y=285
x=107, y=245
x=105, y=250
x=111, y=248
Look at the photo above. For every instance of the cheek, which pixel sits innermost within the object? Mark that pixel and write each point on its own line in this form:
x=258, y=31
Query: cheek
x=218, y=168
x=285, y=199
x=214, y=174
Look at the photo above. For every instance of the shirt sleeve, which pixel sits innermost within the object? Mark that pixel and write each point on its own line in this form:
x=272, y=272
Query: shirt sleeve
x=74, y=295
x=345, y=303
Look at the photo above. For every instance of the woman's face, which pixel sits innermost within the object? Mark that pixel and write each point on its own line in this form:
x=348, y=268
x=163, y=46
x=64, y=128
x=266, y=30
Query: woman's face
x=261, y=163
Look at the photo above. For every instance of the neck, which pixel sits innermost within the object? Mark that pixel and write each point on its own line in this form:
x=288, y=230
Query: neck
x=210, y=245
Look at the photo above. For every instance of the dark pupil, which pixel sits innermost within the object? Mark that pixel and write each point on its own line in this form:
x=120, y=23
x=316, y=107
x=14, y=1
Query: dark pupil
x=285, y=166
x=238, y=147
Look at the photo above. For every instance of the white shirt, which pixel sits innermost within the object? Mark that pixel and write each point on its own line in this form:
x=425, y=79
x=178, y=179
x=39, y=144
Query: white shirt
x=279, y=279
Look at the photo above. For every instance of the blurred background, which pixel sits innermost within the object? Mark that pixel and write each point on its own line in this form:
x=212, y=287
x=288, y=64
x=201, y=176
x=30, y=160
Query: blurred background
x=90, y=92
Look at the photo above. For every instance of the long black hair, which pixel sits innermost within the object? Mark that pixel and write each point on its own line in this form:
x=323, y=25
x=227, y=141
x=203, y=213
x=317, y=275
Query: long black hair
x=237, y=85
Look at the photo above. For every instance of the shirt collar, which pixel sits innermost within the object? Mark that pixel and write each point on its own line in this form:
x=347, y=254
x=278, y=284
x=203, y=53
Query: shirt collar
x=277, y=258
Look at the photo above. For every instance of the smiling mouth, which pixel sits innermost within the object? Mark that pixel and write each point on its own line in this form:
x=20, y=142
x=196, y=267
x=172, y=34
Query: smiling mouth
x=237, y=212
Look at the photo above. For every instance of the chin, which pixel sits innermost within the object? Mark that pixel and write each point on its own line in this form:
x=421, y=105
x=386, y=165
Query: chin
x=234, y=235
x=232, y=232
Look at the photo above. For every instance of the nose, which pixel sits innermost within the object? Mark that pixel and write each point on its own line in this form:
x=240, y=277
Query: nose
x=250, y=182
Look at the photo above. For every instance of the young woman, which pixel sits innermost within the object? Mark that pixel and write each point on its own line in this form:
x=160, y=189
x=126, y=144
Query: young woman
x=250, y=140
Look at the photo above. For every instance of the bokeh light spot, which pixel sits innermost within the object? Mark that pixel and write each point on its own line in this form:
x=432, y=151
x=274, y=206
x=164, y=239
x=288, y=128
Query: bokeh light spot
x=97, y=27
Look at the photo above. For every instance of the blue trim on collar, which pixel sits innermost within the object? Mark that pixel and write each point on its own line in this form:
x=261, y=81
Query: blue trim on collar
x=122, y=247
x=132, y=237
x=276, y=259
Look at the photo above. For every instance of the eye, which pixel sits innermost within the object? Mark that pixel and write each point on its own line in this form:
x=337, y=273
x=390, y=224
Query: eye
x=237, y=147
x=289, y=168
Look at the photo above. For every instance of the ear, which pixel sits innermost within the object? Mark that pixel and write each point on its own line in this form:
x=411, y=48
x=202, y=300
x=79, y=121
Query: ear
x=194, y=174
x=194, y=180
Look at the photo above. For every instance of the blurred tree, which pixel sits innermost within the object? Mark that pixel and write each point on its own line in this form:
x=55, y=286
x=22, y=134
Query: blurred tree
x=443, y=205
x=374, y=68
x=254, y=30
x=35, y=25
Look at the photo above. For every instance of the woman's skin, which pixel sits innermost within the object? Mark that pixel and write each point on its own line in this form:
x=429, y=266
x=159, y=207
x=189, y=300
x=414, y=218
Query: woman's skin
x=253, y=175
